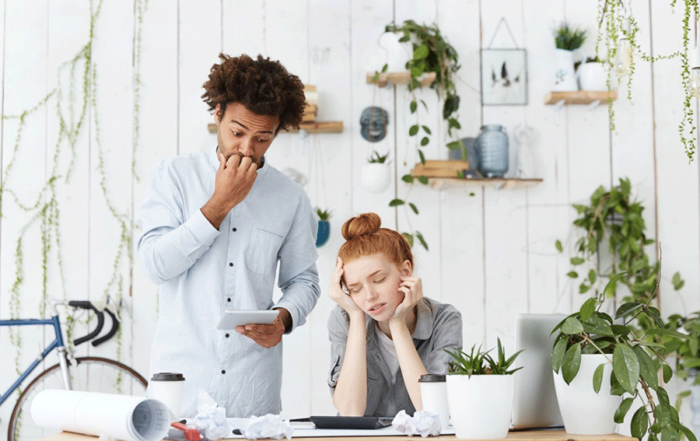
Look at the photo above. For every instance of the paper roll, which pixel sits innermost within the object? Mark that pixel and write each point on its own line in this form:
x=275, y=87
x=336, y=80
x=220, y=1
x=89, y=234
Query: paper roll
x=121, y=417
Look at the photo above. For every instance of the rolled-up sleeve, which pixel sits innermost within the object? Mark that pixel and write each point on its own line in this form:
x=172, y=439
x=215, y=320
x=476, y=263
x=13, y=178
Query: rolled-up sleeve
x=338, y=326
x=171, y=240
x=298, y=276
x=447, y=334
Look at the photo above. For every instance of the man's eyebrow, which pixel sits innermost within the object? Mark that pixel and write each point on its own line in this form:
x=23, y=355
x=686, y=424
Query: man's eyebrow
x=264, y=131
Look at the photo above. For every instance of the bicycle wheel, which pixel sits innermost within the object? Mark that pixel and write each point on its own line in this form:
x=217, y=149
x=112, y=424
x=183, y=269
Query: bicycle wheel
x=92, y=374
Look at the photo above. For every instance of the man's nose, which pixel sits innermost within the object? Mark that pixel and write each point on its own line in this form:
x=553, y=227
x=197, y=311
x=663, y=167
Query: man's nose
x=246, y=148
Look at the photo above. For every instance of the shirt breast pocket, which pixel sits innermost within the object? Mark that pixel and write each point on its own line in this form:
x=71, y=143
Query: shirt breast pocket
x=261, y=255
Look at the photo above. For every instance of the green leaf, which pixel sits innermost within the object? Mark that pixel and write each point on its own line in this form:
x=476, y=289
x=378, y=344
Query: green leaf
x=668, y=373
x=572, y=274
x=559, y=246
x=413, y=106
x=583, y=288
x=413, y=130
x=413, y=207
x=640, y=423
x=454, y=145
x=588, y=308
x=670, y=434
x=572, y=326
x=396, y=202
x=375, y=77
x=647, y=368
x=627, y=309
x=571, y=363
x=424, y=141
x=422, y=240
x=686, y=431
x=668, y=332
x=424, y=105
x=625, y=187
x=407, y=179
x=577, y=260
x=663, y=414
x=454, y=123
x=597, y=326
x=385, y=68
x=598, y=377
x=421, y=52
x=409, y=238
x=626, y=367
x=592, y=276
x=426, y=129
x=422, y=158
x=423, y=179
x=677, y=281
x=611, y=286
x=558, y=353
x=622, y=410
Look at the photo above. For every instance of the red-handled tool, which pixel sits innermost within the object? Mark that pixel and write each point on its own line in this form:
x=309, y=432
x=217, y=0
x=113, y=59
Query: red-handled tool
x=191, y=434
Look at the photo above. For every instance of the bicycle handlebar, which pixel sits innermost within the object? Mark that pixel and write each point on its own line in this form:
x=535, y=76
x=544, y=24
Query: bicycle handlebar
x=86, y=304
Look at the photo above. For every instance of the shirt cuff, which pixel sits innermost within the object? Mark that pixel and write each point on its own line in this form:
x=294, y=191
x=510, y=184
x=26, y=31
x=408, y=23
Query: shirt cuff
x=293, y=312
x=202, y=230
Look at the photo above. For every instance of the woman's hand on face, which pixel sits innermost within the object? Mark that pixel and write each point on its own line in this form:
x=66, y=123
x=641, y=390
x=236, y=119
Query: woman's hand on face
x=412, y=287
x=337, y=294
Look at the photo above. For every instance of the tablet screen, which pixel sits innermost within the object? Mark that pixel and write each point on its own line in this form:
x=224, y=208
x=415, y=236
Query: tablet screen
x=231, y=319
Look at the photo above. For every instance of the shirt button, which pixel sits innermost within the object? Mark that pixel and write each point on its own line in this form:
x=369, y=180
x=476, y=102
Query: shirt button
x=400, y=379
x=234, y=229
x=229, y=299
x=230, y=264
x=223, y=372
x=227, y=335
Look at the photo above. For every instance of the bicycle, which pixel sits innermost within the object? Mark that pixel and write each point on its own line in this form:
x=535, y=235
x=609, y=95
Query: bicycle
x=94, y=374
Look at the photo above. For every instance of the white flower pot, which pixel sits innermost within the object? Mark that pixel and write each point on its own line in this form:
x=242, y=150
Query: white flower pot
x=584, y=412
x=375, y=177
x=481, y=405
x=592, y=77
x=397, y=54
x=564, y=76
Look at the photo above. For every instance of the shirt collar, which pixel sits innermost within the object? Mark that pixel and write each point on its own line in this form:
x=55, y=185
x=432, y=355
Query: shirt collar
x=424, y=322
x=214, y=159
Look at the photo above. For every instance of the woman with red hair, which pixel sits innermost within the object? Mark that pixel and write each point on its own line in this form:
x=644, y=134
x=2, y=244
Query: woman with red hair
x=384, y=333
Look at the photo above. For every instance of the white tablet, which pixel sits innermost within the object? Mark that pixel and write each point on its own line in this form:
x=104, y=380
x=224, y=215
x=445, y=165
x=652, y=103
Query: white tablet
x=231, y=319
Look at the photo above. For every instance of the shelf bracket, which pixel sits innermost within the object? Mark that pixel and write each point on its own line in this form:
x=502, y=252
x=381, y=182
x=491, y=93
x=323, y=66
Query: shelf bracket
x=558, y=107
x=594, y=105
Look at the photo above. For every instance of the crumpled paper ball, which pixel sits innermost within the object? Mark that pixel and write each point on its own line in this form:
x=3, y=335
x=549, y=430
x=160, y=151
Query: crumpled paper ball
x=267, y=426
x=423, y=423
x=210, y=419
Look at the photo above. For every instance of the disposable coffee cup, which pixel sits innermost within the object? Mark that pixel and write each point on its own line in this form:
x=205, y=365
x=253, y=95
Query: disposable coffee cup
x=433, y=391
x=166, y=387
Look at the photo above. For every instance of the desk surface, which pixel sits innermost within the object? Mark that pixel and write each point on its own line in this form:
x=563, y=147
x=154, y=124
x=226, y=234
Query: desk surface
x=532, y=435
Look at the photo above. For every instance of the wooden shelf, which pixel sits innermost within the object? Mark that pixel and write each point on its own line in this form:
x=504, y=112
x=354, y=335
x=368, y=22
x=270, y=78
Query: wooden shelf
x=497, y=183
x=579, y=97
x=400, y=78
x=308, y=127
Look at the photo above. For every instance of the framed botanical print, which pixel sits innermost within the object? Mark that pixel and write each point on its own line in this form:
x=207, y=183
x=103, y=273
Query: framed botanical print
x=503, y=77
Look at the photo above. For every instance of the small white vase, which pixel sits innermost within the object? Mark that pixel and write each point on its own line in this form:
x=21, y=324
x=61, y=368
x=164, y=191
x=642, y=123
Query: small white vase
x=592, y=76
x=584, y=411
x=564, y=76
x=397, y=53
x=375, y=177
x=481, y=406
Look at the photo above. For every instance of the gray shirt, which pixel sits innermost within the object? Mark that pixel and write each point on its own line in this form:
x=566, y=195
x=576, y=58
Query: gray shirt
x=203, y=271
x=438, y=327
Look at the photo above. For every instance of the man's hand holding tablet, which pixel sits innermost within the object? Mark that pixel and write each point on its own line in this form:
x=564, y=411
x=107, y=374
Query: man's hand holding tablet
x=264, y=327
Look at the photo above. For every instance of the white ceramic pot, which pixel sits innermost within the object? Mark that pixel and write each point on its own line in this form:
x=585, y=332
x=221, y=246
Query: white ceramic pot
x=481, y=405
x=375, y=177
x=584, y=412
x=397, y=53
x=592, y=77
x=564, y=75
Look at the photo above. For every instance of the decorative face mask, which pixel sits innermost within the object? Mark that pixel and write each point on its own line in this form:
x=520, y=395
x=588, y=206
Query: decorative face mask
x=373, y=122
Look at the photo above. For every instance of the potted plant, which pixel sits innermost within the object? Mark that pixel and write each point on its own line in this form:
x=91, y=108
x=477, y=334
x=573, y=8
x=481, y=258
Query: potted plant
x=567, y=39
x=687, y=354
x=591, y=75
x=480, y=393
x=324, y=227
x=627, y=362
x=376, y=174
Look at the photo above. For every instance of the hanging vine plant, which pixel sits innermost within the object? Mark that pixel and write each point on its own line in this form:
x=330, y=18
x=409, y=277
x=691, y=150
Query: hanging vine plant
x=617, y=31
x=432, y=53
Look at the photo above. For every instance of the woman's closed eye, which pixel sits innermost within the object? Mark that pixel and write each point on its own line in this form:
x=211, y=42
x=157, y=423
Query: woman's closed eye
x=380, y=280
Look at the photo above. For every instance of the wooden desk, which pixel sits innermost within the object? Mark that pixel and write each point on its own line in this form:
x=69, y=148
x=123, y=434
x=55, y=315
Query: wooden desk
x=534, y=435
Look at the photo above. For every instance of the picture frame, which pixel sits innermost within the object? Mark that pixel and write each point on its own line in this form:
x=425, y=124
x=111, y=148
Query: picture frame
x=504, y=77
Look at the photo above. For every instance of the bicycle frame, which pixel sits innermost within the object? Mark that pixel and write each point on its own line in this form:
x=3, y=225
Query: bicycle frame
x=57, y=343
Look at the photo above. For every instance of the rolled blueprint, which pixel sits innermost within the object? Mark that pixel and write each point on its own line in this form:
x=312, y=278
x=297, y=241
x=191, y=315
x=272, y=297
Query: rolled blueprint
x=121, y=417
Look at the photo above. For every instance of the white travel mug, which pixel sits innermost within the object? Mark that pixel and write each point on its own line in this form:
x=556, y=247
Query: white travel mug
x=166, y=387
x=433, y=391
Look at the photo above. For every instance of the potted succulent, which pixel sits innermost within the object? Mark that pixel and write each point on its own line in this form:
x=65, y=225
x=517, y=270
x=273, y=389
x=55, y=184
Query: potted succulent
x=592, y=75
x=376, y=174
x=628, y=362
x=567, y=39
x=480, y=393
x=324, y=227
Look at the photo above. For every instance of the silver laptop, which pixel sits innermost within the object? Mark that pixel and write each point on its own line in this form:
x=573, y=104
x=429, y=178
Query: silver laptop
x=535, y=399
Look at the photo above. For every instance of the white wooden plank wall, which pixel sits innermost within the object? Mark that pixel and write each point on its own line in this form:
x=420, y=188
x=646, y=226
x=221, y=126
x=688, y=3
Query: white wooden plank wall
x=491, y=251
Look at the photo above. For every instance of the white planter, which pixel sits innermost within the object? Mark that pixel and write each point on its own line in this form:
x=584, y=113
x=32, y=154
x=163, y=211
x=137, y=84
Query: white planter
x=564, y=76
x=592, y=77
x=584, y=412
x=480, y=406
x=397, y=54
x=375, y=177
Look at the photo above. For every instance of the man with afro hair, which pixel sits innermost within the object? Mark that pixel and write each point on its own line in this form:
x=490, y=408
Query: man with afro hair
x=214, y=227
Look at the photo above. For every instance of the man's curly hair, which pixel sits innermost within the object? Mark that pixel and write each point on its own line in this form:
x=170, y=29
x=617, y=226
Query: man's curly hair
x=262, y=86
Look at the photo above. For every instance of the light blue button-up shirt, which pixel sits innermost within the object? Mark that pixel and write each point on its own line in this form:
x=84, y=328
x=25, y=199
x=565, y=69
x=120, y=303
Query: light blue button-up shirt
x=203, y=271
